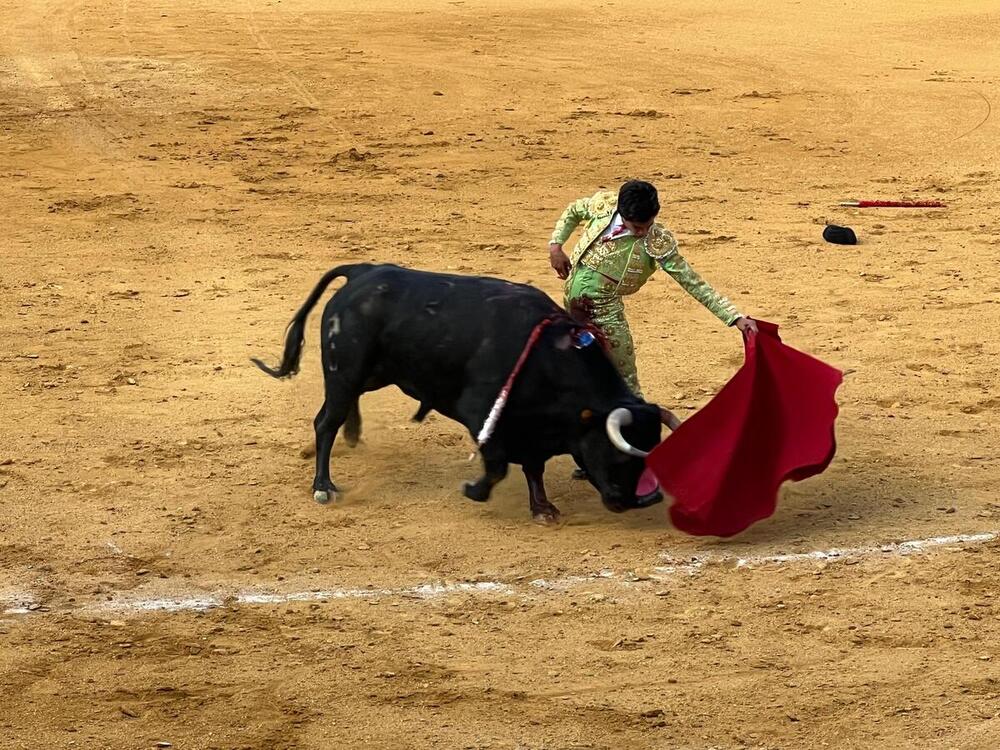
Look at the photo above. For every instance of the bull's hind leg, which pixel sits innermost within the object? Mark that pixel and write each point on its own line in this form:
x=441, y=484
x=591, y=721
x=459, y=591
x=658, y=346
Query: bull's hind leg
x=352, y=430
x=541, y=509
x=346, y=375
x=352, y=425
x=324, y=490
x=340, y=401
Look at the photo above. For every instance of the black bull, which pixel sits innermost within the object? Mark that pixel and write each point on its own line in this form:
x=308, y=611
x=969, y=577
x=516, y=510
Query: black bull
x=450, y=342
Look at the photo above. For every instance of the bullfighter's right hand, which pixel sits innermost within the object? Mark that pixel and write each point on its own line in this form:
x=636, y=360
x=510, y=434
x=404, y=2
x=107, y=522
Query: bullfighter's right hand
x=559, y=260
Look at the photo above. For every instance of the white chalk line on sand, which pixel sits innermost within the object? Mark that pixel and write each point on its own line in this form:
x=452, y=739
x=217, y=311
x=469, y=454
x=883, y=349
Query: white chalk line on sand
x=913, y=546
x=24, y=603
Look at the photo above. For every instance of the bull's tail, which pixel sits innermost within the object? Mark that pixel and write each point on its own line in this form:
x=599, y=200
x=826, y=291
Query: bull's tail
x=296, y=333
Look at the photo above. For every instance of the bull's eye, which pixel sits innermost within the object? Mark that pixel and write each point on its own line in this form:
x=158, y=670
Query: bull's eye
x=583, y=338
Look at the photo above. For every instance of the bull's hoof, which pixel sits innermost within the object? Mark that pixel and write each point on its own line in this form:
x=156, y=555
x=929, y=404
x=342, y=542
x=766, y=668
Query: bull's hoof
x=478, y=491
x=324, y=497
x=579, y=474
x=652, y=498
x=547, y=517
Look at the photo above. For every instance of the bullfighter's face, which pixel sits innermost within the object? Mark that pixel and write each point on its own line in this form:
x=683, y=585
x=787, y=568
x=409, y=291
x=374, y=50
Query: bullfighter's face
x=639, y=228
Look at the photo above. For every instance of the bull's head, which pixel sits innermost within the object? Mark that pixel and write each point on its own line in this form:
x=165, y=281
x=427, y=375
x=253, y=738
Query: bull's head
x=613, y=450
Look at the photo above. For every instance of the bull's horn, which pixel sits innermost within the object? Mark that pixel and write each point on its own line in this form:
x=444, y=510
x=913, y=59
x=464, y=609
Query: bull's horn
x=617, y=419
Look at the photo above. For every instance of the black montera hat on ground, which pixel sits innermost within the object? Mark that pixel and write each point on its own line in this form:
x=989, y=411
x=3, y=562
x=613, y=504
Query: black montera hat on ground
x=840, y=235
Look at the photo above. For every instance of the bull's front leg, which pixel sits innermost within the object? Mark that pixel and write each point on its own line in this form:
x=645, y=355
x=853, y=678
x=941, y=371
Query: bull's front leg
x=541, y=509
x=494, y=470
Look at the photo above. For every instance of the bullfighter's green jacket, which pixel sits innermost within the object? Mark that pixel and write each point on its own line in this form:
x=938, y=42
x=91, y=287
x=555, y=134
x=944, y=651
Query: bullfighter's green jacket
x=630, y=261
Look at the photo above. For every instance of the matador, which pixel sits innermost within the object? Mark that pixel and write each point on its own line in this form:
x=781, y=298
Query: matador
x=620, y=247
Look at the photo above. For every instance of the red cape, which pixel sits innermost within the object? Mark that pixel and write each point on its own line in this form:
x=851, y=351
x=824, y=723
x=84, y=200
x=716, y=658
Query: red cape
x=774, y=421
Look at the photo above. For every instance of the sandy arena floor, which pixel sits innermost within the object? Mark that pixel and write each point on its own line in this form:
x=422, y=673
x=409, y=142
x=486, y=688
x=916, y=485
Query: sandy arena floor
x=175, y=176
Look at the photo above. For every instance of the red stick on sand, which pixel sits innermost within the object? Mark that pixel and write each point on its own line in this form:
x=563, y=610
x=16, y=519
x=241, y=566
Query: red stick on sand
x=893, y=204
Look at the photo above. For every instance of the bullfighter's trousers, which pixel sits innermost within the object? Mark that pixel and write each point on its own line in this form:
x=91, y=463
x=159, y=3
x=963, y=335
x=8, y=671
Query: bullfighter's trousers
x=595, y=298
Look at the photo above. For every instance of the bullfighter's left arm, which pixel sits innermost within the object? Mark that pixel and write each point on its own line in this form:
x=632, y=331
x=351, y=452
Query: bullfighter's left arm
x=662, y=247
